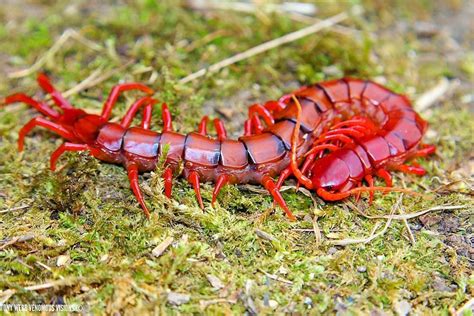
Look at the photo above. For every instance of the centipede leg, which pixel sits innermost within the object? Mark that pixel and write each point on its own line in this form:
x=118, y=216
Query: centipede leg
x=268, y=184
x=193, y=178
x=370, y=182
x=260, y=110
x=48, y=87
x=203, y=126
x=166, y=116
x=115, y=93
x=40, y=121
x=426, y=150
x=132, y=111
x=168, y=178
x=221, y=181
x=62, y=149
x=132, y=170
x=41, y=107
x=283, y=176
x=248, y=127
x=386, y=176
x=257, y=125
x=220, y=129
x=411, y=169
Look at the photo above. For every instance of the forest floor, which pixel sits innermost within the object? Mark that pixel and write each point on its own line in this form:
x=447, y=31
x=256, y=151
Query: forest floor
x=78, y=236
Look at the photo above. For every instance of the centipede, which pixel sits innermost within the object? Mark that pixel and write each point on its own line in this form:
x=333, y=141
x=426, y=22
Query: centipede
x=334, y=138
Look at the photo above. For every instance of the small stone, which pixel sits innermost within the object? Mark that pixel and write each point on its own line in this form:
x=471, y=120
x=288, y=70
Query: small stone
x=273, y=304
x=62, y=260
x=332, y=250
x=361, y=269
x=308, y=301
x=175, y=298
x=215, y=282
x=402, y=308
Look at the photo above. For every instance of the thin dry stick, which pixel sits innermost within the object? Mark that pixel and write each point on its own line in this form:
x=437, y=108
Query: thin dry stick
x=69, y=33
x=373, y=235
x=428, y=98
x=417, y=214
x=267, y=46
x=93, y=79
x=469, y=305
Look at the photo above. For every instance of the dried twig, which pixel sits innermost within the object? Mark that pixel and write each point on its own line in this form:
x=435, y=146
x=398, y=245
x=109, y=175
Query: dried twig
x=267, y=46
x=427, y=99
x=21, y=207
x=68, y=34
x=16, y=240
x=94, y=79
x=158, y=250
x=417, y=214
x=469, y=305
x=276, y=277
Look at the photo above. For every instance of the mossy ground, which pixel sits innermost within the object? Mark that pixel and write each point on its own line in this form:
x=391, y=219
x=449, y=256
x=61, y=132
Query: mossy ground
x=86, y=215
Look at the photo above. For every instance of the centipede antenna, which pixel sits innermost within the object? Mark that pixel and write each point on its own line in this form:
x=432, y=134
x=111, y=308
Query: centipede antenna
x=294, y=141
x=132, y=170
x=47, y=86
x=221, y=181
x=41, y=107
x=168, y=179
x=193, y=178
x=268, y=184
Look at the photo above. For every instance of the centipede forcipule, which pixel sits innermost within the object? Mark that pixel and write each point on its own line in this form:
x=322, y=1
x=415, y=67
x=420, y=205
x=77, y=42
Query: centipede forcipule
x=331, y=136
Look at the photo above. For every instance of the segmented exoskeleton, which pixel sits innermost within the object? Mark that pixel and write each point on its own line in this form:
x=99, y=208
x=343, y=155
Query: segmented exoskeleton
x=341, y=132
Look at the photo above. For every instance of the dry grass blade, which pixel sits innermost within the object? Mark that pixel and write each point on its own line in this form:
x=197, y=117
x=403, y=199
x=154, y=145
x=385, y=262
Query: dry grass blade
x=427, y=99
x=158, y=250
x=276, y=277
x=94, y=79
x=290, y=37
x=68, y=34
x=417, y=214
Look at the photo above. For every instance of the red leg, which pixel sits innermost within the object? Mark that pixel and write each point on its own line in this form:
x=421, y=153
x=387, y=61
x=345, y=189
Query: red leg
x=62, y=149
x=222, y=180
x=168, y=177
x=148, y=102
x=370, y=181
x=43, y=108
x=426, y=150
x=220, y=129
x=258, y=109
x=115, y=93
x=346, y=131
x=274, y=106
x=268, y=184
x=46, y=85
x=39, y=121
x=248, y=127
x=283, y=176
x=318, y=148
x=411, y=169
x=385, y=175
x=203, y=126
x=166, y=115
x=193, y=178
x=342, y=138
x=132, y=170
x=257, y=125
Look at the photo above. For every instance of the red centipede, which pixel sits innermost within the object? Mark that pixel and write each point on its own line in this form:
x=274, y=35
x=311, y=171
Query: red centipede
x=331, y=136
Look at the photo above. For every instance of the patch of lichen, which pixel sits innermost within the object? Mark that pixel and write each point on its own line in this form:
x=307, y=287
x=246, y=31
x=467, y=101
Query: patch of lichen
x=86, y=211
